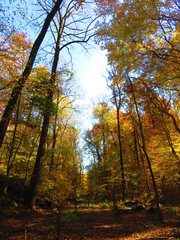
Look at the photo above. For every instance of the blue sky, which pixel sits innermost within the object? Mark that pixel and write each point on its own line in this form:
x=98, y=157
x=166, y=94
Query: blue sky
x=90, y=69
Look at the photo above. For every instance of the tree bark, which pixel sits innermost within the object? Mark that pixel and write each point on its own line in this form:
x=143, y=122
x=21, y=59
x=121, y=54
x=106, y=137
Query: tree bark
x=32, y=192
x=20, y=84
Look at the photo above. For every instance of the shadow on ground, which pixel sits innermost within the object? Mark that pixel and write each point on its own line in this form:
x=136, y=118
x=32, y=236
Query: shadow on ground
x=42, y=224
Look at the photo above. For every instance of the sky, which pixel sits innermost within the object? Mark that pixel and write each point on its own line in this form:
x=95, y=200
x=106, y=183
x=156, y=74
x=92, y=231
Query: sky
x=90, y=69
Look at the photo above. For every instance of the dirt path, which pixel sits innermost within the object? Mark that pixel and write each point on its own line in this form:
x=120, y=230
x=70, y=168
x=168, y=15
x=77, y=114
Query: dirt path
x=95, y=225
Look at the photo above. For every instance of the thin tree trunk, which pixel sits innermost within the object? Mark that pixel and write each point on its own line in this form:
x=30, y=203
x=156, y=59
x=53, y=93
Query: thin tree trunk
x=20, y=84
x=53, y=149
x=54, y=139
x=136, y=145
x=146, y=154
x=158, y=104
x=142, y=159
x=168, y=136
x=144, y=170
x=121, y=157
x=136, y=155
x=118, y=105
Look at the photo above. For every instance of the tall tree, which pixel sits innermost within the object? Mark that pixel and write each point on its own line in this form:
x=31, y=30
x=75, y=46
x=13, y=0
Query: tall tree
x=80, y=37
x=142, y=37
x=21, y=81
x=32, y=193
x=116, y=88
x=143, y=146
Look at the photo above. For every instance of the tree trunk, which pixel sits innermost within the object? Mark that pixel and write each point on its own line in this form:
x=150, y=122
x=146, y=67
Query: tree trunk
x=20, y=84
x=168, y=136
x=10, y=161
x=53, y=149
x=136, y=155
x=54, y=139
x=29, y=157
x=144, y=170
x=32, y=193
x=117, y=101
x=146, y=154
x=158, y=104
x=5, y=183
x=121, y=157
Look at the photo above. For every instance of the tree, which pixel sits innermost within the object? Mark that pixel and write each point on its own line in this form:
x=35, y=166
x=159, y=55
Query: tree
x=143, y=38
x=81, y=37
x=143, y=146
x=64, y=96
x=142, y=42
x=116, y=87
x=31, y=196
x=21, y=81
x=14, y=55
x=102, y=144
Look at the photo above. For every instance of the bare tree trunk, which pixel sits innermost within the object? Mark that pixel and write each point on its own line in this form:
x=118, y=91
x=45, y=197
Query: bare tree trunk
x=20, y=84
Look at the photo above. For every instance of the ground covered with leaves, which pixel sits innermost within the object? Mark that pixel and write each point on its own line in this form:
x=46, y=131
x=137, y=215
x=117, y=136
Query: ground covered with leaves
x=18, y=222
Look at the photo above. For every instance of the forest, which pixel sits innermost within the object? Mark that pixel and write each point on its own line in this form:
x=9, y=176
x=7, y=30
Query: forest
x=130, y=188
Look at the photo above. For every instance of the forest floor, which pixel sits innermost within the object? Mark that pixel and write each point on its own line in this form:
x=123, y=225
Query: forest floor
x=21, y=223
